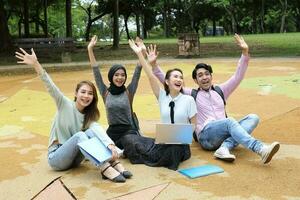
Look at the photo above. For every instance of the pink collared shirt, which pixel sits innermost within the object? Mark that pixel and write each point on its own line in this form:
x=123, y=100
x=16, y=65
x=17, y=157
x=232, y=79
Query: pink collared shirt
x=210, y=106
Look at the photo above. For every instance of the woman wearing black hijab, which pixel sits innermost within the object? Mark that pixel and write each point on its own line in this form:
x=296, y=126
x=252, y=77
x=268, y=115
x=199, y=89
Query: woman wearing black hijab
x=117, y=97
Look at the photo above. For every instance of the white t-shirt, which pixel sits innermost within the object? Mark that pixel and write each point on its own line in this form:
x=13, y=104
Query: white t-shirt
x=185, y=108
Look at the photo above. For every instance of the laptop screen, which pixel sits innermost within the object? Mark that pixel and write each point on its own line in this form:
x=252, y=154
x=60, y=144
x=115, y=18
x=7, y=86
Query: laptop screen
x=174, y=133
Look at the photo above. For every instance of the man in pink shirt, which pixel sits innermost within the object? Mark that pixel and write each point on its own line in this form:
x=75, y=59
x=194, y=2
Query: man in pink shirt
x=214, y=130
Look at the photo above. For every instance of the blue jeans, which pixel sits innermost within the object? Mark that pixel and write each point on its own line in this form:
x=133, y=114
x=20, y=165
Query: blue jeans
x=229, y=133
x=68, y=155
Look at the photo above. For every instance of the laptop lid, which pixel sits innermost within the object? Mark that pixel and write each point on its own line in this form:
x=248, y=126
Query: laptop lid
x=174, y=133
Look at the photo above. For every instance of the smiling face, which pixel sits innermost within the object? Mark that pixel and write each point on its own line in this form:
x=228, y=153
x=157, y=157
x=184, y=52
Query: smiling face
x=203, y=78
x=84, y=96
x=175, y=81
x=119, y=78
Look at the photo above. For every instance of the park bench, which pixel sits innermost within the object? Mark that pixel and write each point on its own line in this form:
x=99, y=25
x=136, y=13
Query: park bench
x=46, y=43
x=188, y=44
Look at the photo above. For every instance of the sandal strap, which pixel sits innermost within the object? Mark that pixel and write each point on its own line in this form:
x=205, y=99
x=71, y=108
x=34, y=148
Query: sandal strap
x=116, y=163
x=106, y=168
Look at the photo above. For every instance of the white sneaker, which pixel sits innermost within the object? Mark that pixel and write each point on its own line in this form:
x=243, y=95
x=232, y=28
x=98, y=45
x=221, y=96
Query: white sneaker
x=268, y=151
x=224, y=154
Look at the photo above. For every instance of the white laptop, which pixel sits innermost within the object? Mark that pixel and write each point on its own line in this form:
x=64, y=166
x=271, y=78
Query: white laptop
x=174, y=133
x=95, y=150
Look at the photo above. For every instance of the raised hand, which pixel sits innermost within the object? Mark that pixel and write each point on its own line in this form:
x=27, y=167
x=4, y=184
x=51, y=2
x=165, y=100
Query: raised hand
x=134, y=47
x=152, y=54
x=93, y=42
x=241, y=43
x=29, y=59
x=26, y=58
x=140, y=43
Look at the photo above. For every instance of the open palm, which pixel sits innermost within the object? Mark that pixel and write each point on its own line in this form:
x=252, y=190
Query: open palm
x=152, y=54
x=134, y=47
x=240, y=41
x=26, y=58
x=140, y=43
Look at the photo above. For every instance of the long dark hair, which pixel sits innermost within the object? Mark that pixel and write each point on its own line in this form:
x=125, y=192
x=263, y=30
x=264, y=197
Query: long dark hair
x=91, y=112
x=167, y=77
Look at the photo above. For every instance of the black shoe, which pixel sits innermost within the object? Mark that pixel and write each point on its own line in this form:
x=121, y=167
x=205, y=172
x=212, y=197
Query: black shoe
x=127, y=174
x=118, y=179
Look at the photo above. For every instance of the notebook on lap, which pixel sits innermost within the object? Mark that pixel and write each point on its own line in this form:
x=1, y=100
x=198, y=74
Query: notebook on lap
x=95, y=150
x=174, y=133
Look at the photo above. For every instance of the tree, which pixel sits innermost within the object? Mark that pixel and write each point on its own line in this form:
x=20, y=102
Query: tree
x=5, y=38
x=69, y=18
x=116, y=36
x=284, y=9
x=95, y=11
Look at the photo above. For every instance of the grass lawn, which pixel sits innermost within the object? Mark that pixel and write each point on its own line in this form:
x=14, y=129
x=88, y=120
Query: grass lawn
x=261, y=45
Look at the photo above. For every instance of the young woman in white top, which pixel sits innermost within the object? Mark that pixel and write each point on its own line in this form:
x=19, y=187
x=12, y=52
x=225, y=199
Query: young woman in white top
x=74, y=122
x=184, y=107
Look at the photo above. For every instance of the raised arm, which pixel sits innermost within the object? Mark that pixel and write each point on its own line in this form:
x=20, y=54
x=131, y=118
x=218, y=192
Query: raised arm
x=97, y=75
x=242, y=44
x=135, y=79
x=147, y=68
x=90, y=49
x=152, y=55
x=233, y=82
x=31, y=59
x=137, y=72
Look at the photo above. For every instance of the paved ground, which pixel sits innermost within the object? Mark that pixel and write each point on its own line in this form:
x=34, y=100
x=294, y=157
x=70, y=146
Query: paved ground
x=270, y=89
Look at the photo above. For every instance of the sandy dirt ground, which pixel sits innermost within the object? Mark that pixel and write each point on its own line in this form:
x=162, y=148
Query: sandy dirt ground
x=270, y=89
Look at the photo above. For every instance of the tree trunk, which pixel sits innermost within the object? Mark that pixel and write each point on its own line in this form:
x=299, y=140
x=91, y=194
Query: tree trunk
x=145, y=36
x=26, y=18
x=233, y=22
x=116, y=25
x=37, y=10
x=214, y=27
x=298, y=23
x=166, y=18
x=20, y=28
x=88, y=30
x=262, y=17
x=138, y=27
x=45, y=19
x=69, y=18
x=5, y=38
x=126, y=26
x=284, y=14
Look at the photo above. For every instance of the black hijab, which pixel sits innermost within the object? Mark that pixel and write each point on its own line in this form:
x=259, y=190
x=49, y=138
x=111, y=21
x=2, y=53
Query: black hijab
x=113, y=89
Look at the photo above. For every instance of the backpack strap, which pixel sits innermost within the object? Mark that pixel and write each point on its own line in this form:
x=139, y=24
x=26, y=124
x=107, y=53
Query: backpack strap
x=194, y=93
x=220, y=92
x=215, y=88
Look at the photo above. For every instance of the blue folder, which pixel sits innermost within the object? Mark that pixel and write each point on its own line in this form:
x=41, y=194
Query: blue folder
x=96, y=151
x=200, y=171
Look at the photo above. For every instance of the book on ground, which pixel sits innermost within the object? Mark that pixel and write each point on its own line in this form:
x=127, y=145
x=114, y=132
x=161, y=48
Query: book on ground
x=200, y=171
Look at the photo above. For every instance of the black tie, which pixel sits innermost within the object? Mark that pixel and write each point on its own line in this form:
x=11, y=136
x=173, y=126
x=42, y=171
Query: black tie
x=172, y=105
